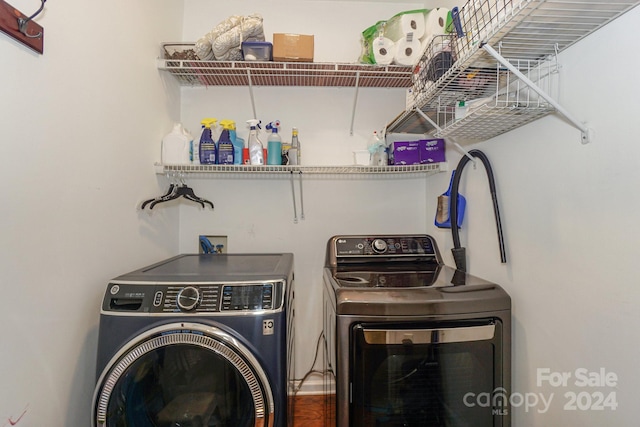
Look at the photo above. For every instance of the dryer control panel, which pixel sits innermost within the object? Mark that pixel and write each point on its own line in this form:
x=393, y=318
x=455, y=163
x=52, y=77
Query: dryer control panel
x=201, y=298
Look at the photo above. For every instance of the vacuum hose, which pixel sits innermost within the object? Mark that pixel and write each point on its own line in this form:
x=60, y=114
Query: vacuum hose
x=459, y=254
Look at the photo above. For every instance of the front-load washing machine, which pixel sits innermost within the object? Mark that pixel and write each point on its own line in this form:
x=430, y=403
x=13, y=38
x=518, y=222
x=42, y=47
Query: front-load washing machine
x=197, y=341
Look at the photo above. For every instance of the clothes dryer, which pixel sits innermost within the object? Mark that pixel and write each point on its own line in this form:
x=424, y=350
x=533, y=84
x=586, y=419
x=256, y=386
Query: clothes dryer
x=197, y=341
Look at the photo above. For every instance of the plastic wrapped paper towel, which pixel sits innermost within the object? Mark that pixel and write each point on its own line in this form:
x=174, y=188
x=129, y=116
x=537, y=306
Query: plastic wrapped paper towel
x=437, y=23
x=404, y=23
x=408, y=51
x=384, y=50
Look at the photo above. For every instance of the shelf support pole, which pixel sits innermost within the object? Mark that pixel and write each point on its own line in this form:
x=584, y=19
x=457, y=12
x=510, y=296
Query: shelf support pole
x=253, y=102
x=439, y=129
x=584, y=130
x=355, y=102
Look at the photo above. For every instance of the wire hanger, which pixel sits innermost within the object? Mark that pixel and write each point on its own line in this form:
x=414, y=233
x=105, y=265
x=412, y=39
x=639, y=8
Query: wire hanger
x=177, y=189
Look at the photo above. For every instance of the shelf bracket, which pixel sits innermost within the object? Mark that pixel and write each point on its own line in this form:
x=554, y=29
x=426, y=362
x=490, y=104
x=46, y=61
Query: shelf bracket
x=585, y=136
x=439, y=129
x=293, y=195
x=253, y=102
x=355, y=101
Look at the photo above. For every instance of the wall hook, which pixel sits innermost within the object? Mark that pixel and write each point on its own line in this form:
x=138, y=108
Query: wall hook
x=23, y=22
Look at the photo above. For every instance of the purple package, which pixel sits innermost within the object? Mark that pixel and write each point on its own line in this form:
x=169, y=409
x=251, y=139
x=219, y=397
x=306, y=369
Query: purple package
x=432, y=151
x=406, y=153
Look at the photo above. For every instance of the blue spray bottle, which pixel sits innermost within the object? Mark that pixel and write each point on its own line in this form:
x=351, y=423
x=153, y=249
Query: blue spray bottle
x=226, y=151
x=274, y=144
x=207, y=145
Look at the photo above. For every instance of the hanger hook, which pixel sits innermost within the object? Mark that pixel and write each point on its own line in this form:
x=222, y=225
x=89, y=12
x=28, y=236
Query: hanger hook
x=22, y=23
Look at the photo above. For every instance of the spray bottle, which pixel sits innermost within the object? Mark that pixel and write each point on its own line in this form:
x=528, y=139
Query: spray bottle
x=274, y=144
x=256, y=155
x=238, y=143
x=226, y=150
x=207, y=145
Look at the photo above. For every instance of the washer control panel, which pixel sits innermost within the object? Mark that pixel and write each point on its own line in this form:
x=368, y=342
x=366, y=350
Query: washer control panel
x=399, y=245
x=131, y=298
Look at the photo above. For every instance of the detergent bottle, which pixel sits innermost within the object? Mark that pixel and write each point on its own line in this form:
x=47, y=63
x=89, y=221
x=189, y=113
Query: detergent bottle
x=274, y=144
x=225, y=146
x=256, y=155
x=175, y=146
x=207, y=148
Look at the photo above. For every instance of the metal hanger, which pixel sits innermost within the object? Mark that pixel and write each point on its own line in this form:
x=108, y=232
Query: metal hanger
x=177, y=189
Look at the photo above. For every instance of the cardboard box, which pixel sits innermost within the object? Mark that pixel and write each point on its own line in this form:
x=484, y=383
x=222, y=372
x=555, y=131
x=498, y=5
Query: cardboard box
x=432, y=151
x=292, y=47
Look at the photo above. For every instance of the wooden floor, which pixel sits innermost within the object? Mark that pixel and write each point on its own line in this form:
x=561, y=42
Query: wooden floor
x=308, y=411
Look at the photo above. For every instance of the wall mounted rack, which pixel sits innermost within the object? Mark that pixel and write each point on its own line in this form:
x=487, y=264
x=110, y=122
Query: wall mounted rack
x=504, y=64
x=306, y=170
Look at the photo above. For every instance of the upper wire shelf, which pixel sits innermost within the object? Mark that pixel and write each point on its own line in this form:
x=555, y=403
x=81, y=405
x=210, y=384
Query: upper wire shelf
x=527, y=36
x=267, y=73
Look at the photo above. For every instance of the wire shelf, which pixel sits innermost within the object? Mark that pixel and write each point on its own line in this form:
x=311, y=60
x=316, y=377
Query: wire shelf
x=454, y=69
x=257, y=73
x=311, y=170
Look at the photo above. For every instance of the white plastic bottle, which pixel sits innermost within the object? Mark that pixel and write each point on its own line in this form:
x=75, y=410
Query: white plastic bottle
x=176, y=147
x=256, y=153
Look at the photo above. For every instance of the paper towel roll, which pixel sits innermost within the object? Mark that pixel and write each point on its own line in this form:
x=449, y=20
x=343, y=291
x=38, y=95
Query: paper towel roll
x=384, y=50
x=399, y=26
x=436, y=22
x=408, y=51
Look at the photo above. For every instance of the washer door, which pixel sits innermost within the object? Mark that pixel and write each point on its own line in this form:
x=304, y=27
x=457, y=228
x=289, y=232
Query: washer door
x=183, y=374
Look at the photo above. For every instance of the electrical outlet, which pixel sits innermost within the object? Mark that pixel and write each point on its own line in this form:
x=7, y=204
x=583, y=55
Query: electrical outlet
x=212, y=244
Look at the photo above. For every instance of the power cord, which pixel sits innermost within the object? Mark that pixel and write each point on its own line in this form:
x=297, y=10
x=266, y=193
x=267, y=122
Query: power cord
x=311, y=371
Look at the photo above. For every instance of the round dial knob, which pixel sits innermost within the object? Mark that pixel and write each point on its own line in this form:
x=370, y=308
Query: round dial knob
x=379, y=246
x=188, y=298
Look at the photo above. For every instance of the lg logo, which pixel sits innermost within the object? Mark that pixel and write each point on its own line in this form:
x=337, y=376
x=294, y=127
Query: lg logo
x=268, y=326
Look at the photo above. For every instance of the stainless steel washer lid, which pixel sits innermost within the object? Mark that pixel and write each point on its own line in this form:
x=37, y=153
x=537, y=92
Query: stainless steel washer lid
x=452, y=292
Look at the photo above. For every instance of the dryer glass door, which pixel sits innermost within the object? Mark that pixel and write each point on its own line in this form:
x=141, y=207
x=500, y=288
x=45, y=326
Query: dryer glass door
x=182, y=378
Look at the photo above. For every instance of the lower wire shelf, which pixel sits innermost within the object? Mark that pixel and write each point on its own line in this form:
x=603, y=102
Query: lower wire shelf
x=430, y=168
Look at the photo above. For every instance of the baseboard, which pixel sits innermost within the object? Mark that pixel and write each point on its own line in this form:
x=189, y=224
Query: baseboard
x=311, y=386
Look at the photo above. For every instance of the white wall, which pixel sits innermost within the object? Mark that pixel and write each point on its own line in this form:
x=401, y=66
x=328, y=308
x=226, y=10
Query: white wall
x=81, y=129
x=567, y=209
x=256, y=213
x=569, y=218
x=79, y=133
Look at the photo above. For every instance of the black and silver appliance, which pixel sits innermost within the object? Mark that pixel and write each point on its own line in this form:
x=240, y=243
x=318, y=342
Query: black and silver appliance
x=410, y=341
x=197, y=341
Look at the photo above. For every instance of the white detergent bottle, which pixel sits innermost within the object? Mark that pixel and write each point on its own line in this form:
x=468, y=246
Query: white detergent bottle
x=176, y=147
x=256, y=153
